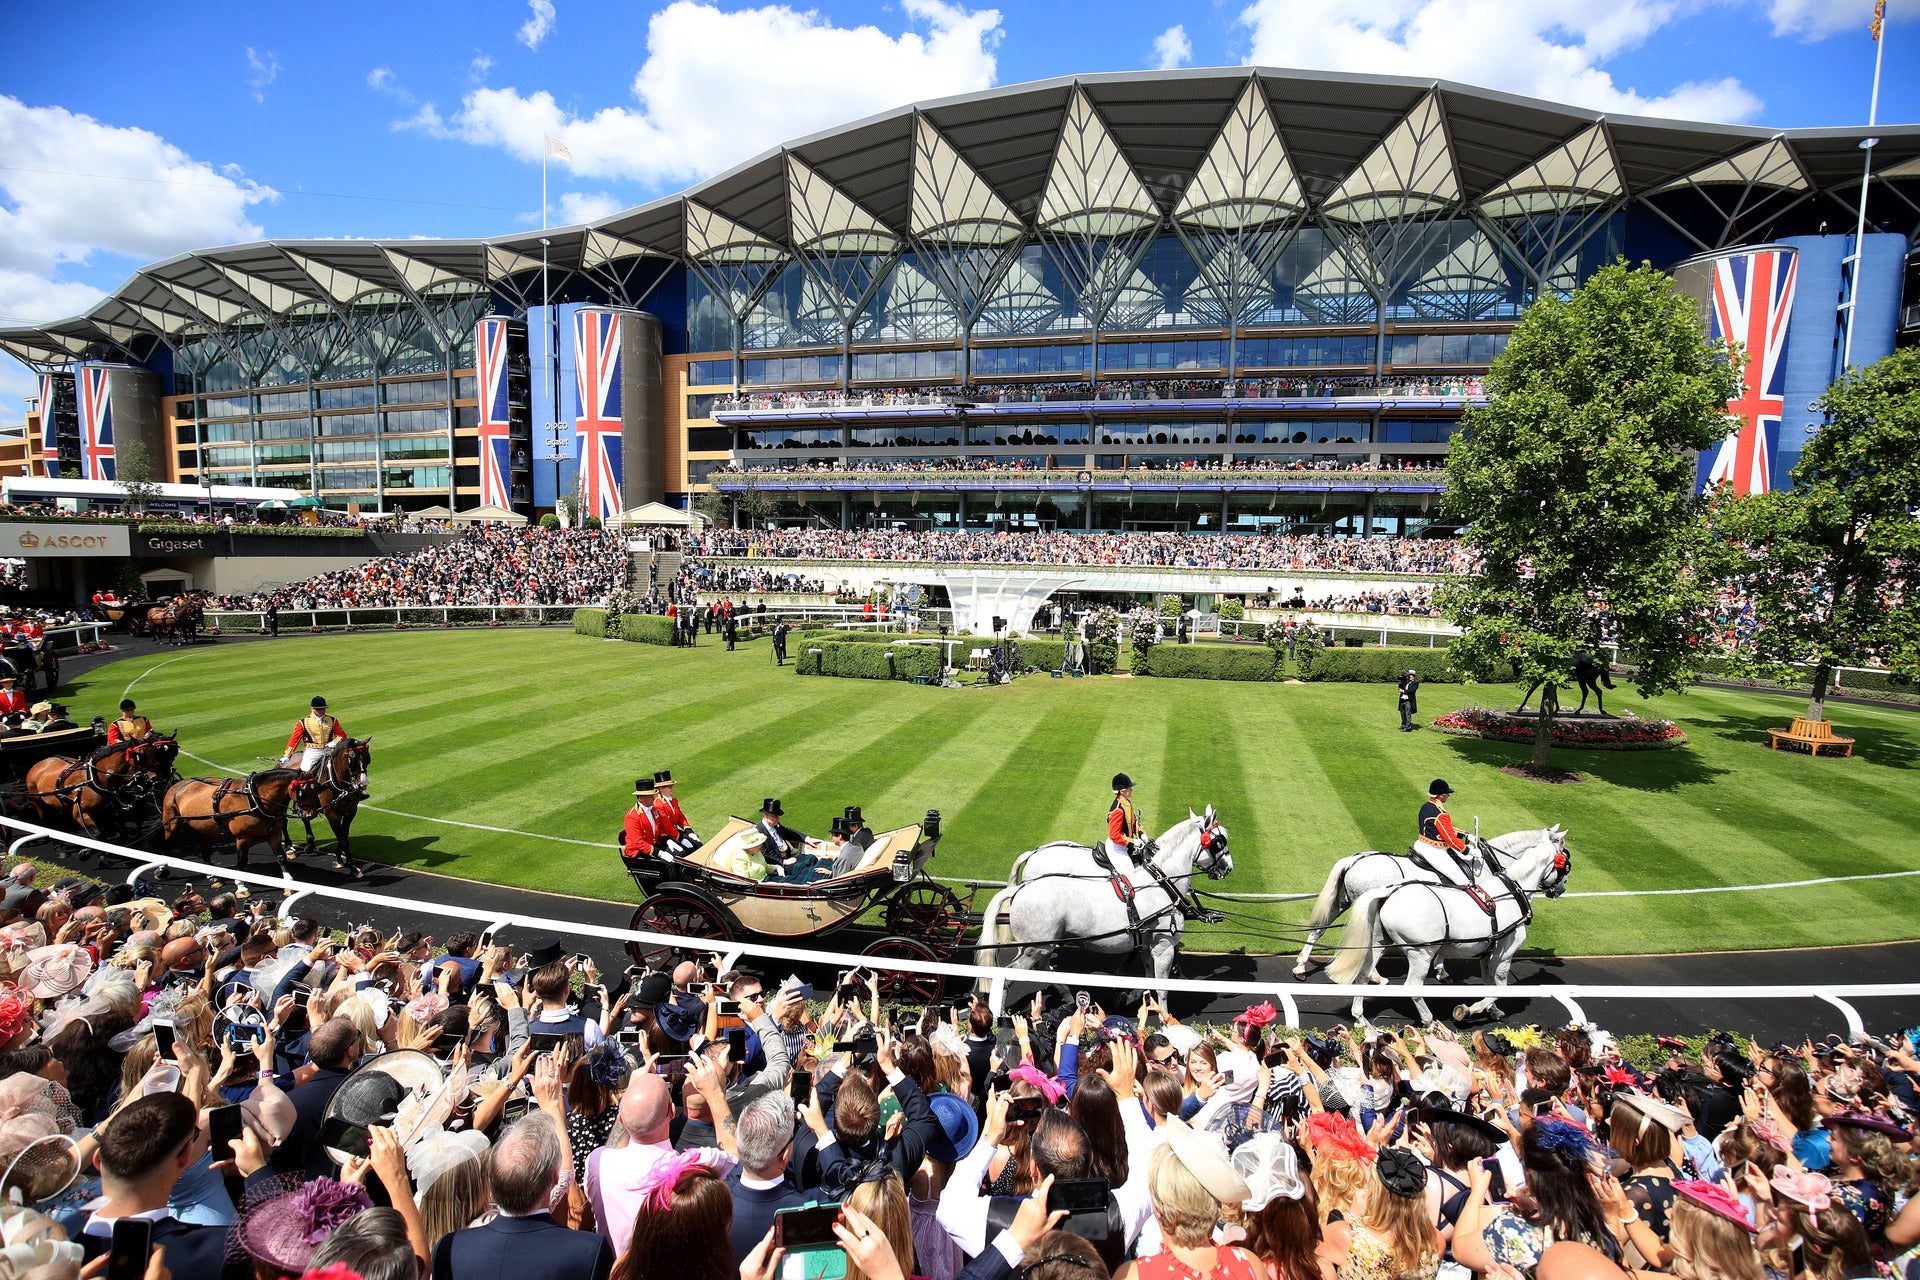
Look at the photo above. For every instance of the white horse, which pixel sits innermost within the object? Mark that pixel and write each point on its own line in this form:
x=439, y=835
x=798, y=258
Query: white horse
x=1436, y=921
x=1362, y=873
x=1058, y=893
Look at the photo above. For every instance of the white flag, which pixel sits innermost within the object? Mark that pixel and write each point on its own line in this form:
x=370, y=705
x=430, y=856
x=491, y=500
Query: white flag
x=555, y=147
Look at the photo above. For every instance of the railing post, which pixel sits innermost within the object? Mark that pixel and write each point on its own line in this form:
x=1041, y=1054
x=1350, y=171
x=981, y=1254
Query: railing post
x=1855, y=1028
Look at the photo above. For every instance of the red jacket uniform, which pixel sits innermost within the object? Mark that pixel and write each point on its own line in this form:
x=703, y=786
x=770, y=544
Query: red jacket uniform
x=640, y=833
x=315, y=730
x=128, y=728
x=667, y=816
x=12, y=700
x=1123, y=824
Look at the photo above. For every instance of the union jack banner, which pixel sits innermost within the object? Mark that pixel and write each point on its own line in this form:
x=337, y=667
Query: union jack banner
x=1752, y=302
x=596, y=440
x=49, y=430
x=91, y=383
x=490, y=352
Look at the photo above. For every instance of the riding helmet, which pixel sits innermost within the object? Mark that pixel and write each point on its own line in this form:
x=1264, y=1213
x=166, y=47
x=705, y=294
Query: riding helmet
x=319, y=703
x=126, y=704
x=1121, y=782
x=1439, y=787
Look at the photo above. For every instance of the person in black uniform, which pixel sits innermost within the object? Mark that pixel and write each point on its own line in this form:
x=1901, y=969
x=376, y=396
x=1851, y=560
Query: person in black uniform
x=779, y=640
x=1409, y=699
x=732, y=632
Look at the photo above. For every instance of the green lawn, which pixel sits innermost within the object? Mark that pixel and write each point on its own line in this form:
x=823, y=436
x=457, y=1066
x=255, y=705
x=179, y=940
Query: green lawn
x=544, y=731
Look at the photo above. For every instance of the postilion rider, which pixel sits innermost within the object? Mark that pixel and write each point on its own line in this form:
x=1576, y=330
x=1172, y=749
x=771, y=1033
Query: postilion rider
x=131, y=726
x=311, y=734
x=1439, y=845
x=1124, y=844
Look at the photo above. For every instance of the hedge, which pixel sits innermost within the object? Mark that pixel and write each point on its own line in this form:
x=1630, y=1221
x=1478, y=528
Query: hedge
x=868, y=662
x=1869, y=682
x=646, y=628
x=1208, y=662
x=590, y=622
x=1382, y=666
x=1044, y=654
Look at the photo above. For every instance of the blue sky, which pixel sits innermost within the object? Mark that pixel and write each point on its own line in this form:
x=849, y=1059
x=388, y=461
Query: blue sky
x=128, y=133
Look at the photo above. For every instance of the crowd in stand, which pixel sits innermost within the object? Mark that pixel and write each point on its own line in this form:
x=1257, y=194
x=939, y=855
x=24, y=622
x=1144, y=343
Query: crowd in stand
x=944, y=465
x=698, y=576
x=485, y=565
x=1259, y=554
x=271, y=1099
x=1132, y=389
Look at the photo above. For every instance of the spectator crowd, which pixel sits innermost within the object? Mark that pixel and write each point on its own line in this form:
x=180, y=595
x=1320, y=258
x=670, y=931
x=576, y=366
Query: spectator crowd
x=1123, y=389
x=944, y=465
x=259, y=1097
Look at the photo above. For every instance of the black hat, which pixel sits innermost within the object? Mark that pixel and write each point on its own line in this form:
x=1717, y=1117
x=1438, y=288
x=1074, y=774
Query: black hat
x=319, y=703
x=643, y=786
x=681, y=1017
x=1439, y=787
x=545, y=954
x=126, y=704
x=1121, y=782
x=665, y=775
x=771, y=808
x=853, y=816
x=1443, y=1115
x=59, y=708
x=839, y=827
x=655, y=989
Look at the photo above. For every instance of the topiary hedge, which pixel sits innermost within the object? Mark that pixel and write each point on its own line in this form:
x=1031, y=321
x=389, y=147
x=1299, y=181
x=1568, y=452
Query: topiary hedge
x=1044, y=654
x=590, y=622
x=1381, y=666
x=1209, y=662
x=646, y=628
x=868, y=662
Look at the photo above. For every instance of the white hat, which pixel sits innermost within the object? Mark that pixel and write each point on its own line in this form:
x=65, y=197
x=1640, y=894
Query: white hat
x=436, y=1152
x=1246, y=1075
x=1205, y=1156
x=1271, y=1168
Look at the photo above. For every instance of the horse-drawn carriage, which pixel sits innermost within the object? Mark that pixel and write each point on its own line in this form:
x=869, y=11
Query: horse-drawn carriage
x=174, y=619
x=20, y=752
x=696, y=898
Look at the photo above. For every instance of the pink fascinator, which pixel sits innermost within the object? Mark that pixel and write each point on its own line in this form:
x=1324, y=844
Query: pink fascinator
x=657, y=1187
x=1050, y=1089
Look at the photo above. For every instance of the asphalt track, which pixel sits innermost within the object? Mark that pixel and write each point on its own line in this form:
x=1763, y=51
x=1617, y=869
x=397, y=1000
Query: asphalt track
x=1791, y=1019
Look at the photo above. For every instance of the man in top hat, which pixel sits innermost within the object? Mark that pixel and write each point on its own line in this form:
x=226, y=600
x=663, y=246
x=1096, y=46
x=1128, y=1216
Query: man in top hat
x=11, y=699
x=640, y=838
x=846, y=854
x=676, y=836
x=857, y=833
x=1439, y=845
x=57, y=719
x=1115, y=853
x=785, y=848
x=1409, y=699
x=131, y=725
x=311, y=734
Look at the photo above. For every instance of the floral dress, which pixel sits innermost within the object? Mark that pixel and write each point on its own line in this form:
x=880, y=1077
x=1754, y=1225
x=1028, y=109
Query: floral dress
x=1370, y=1257
x=1513, y=1240
x=1862, y=1198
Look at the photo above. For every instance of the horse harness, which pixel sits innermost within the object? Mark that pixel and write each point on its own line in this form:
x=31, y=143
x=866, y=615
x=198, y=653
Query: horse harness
x=1490, y=903
x=256, y=807
x=1479, y=897
x=68, y=791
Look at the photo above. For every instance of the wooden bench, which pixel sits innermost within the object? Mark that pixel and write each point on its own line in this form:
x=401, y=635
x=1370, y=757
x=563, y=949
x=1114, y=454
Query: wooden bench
x=1812, y=734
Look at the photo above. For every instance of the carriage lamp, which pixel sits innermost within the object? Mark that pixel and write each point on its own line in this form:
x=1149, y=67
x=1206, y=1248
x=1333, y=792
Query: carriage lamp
x=930, y=827
x=99, y=724
x=903, y=866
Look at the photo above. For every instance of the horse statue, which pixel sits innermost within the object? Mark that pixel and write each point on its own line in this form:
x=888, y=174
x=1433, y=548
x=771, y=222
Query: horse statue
x=1362, y=873
x=102, y=790
x=242, y=812
x=1589, y=673
x=1058, y=893
x=1432, y=922
x=338, y=785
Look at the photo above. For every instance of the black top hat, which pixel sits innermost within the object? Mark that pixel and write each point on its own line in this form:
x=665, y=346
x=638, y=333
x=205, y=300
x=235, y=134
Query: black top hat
x=1445, y=1115
x=126, y=704
x=839, y=827
x=59, y=708
x=643, y=786
x=665, y=775
x=853, y=817
x=655, y=990
x=1121, y=782
x=319, y=703
x=1439, y=787
x=545, y=954
x=771, y=808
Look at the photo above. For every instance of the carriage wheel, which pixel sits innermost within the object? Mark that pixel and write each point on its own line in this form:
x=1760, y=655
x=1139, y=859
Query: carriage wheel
x=927, y=909
x=683, y=912
x=902, y=987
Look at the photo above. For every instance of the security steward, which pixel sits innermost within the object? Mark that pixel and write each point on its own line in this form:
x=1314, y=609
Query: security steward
x=131, y=726
x=311, y=734
x=1439, y=845
x=676, y=835
x=640, y=837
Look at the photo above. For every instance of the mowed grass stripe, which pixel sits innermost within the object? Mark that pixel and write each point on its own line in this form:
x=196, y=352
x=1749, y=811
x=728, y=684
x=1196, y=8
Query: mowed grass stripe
x=544, y=732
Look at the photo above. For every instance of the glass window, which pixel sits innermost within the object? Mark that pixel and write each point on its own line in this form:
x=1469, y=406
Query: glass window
x=710, y=373
x=465, y=387
x=426, y=391
x=230, y=407
x=415, y=477
x=217, y=431
x=348, y=451
x=699, y=471
x=905, y=366
x=286, y=429
x=346, y=397
x=701, y=406
x=793, y=438
x=347, y=424
x=348, y=478
x=404, y=420
x=946, y=435
x=284, y=402
x=709, y=322
x=780, y=369
x=416, y=448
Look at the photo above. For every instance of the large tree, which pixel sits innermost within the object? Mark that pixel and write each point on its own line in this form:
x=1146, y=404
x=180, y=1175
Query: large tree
x=133, y=472
x=1832, y=565
x=1575, y=482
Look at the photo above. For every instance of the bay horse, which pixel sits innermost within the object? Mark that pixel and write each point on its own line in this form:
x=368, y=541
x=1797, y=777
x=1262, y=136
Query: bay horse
x=241, y=811
x=178, y=622
x=338, y=785
x=106, y=786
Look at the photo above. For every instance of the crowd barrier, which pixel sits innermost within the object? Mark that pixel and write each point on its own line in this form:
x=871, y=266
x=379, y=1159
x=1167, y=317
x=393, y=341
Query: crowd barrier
x=1285, y=995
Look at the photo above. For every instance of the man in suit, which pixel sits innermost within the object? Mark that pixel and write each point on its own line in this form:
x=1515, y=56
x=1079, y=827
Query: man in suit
x=857, y=833
x=524, y=1242
x=760, y=1185
x=785, y=848
x=779, y=639
x=144, y=1150
x=1409, y=699
x=333, y=1049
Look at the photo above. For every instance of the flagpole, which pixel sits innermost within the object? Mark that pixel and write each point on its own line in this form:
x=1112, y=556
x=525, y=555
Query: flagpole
x=1866, y=176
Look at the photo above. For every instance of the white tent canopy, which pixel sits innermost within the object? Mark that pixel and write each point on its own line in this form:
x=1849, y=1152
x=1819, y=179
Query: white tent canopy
x=432, y=513
x=486, y=515
x=657, y=513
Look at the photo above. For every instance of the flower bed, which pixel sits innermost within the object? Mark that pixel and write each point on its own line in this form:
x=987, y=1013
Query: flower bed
x=1626, y=733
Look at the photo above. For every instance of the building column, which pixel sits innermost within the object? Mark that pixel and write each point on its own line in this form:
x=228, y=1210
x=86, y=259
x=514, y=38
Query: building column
x=962, y=517
x=846, y=510
x=1223, y=510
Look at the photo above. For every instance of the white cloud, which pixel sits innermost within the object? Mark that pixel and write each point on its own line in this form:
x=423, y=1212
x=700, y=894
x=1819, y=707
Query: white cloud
x=480, y=65
x=380, y=79
x=261, y=72
x=16, y=384
x=1818, y=19
x=587, y=206
x=1554, y=49
x=536, y=28
x=719, y=86
x=1171, y=48
x=72, y=188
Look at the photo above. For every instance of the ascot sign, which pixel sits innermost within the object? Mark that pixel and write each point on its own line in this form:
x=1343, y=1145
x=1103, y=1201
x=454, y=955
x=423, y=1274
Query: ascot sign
x=58, y=540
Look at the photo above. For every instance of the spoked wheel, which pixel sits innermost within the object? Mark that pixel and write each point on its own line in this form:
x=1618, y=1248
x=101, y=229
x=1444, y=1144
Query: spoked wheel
x=899, y=986
x=927, y=909
x=684, y=912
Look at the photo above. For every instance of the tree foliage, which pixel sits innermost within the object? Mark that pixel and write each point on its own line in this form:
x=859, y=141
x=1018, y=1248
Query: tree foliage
x=1576, y=482
x=133, y=472
x=1832, y=565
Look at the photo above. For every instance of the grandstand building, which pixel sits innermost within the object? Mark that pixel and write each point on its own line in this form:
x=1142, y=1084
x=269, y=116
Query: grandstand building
x=1235, y=300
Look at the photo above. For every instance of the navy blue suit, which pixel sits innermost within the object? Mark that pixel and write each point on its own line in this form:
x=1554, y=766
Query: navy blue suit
x=302, y=1152
x=199, y=1251
x=753, y=1210
x=535, y=1248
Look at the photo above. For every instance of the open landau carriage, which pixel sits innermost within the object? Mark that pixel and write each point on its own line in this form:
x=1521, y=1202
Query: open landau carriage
x=921, y=919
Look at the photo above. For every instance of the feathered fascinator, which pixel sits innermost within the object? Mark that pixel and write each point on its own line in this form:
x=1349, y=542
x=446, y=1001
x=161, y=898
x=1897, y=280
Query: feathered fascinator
x=1563, y=1138
x=1332, y=1134
x=1260, y=1015
x=656, y=1188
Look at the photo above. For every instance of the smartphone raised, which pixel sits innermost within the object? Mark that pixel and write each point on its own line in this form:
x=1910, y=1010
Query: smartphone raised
x=736, y=1044
x=223, y=1125
x=808, y=1228
x=163, y=1038
x=1078, y=1195
x=131, y=1245
x=545, y=1041
x=801, y=1088
x=340, y=1134
x=862, y=1045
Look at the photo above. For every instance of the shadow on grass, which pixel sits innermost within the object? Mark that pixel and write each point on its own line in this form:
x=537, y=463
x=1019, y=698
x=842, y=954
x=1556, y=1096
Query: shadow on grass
x=416, y=852
x=1886, y=747
x=1667, y=770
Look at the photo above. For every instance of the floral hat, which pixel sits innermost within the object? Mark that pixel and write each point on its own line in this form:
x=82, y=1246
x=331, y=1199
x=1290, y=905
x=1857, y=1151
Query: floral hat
x=1333, y=1134
x=16, y=1016
x=283, y=1226
x=1715, y=1199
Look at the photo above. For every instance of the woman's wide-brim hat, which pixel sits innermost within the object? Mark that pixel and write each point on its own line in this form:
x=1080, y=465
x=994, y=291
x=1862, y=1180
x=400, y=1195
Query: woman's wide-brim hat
x=959, y=1127
x=56, y=971
x=283, y=1230
x=374, y=1092
x=1205, y=1156
x=1653, y=1111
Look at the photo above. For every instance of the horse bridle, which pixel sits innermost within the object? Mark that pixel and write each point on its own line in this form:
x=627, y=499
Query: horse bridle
x=323, y=779
x=1213, y=843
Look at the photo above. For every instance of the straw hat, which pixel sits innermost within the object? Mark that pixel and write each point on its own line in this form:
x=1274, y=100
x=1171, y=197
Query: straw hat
x=1205, y=1156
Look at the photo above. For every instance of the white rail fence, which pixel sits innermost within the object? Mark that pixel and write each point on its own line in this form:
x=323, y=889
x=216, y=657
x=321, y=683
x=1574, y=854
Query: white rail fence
x=1286, y=994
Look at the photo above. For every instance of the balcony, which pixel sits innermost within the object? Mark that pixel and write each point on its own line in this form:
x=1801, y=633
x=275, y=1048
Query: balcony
x=1078, y=480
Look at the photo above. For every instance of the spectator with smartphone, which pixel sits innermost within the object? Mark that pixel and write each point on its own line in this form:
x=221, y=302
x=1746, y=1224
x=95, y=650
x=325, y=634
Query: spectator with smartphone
x=524, y=1241
x=333, y=1050
x=760, y=1186
x=617, y=1177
